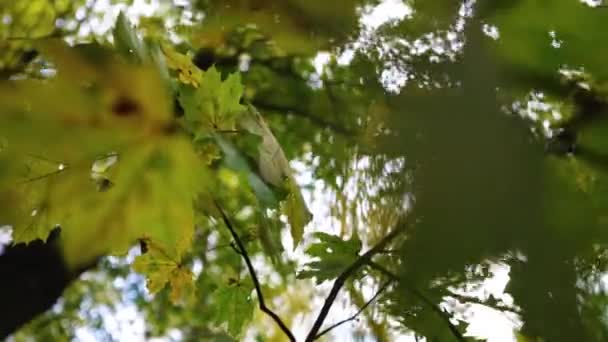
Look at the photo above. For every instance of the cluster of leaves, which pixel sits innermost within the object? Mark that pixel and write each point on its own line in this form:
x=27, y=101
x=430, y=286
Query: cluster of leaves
x=125, y=167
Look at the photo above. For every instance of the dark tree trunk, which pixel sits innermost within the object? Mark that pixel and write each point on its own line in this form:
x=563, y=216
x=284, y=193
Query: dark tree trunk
x=33, y=278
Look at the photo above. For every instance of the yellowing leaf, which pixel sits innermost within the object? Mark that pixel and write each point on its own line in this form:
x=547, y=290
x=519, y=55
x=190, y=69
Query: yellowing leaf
x=37, y=220
x=37, y=229
x=160, y=268
x=272, y=163
x=188, y=73
x=125, y=110
x=125, y=94
x=152, y=197
x=274, y=169
x=73, y=64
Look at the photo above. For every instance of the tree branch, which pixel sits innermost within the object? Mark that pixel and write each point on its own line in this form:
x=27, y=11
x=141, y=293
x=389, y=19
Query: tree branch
x=474, y=300
x=382, y=288
x=442, y=314
x=339, y=282
x=254, y=277
x=316, y=120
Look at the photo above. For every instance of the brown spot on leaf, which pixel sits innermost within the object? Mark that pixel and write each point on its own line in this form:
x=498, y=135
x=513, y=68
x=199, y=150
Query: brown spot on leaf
x=125, y=106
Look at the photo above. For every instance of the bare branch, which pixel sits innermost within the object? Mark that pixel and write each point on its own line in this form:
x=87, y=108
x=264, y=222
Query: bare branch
x=442, y=314
x=371, y=300
x=354, y=267
x=254, y=277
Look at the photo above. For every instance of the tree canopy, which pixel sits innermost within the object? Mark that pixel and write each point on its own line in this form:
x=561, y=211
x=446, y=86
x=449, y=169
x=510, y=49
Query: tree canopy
x=290, y=170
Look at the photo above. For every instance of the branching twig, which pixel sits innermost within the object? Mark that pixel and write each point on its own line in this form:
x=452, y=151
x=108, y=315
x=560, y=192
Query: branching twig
x=339, y=282
x=442, y=314
x=254, y=277
x=333, y=326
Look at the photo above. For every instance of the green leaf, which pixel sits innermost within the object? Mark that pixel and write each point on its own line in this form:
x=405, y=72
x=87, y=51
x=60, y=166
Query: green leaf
x=234, y=160
x=526, y=45
x=296, y=210
x=234, y=307
x=126, y=40
x=304, y=26
x=214, y=105
x=333, y=254
x=160, y=268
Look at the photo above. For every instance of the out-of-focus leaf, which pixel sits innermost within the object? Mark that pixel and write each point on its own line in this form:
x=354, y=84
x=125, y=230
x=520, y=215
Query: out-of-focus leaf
x=152, y=197
x=127, y=41
x=234, y=307
x=78, y=64
x=148, y=192
x=539, y=37
x=297, y=26
x=334, y=256
x=188, y=73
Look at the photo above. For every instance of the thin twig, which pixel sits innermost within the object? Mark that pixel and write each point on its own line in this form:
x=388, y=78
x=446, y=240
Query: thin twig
x=333, y=326
x=474, y=300
x=254, y=277
x=339, y=282
x=442, y=314
x=316, y=120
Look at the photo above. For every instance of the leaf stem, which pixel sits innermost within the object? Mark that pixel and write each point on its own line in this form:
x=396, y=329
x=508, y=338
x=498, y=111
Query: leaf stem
x=254, y=278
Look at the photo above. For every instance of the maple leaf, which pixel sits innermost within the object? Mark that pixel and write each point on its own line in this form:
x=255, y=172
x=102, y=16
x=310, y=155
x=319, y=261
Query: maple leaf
x=214, y=105
x=235, y=306
x=188, y=73
x=160, y=269
x=333, y=255
x=148, y=191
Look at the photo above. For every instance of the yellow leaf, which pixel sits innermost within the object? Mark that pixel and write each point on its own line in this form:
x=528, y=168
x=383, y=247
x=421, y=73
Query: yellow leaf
x=182, y=286
x=188, y=72
x=160, y=268
x=147, y=192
